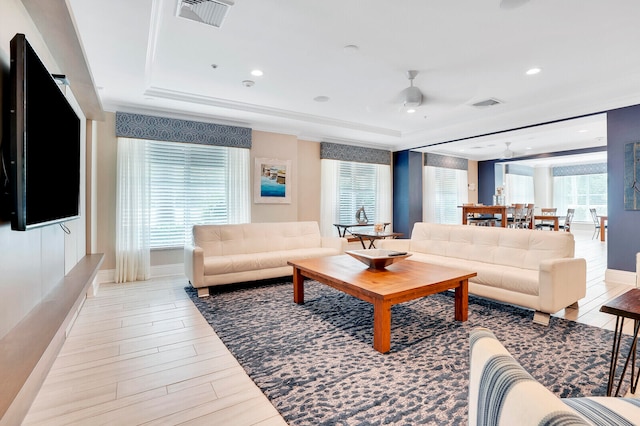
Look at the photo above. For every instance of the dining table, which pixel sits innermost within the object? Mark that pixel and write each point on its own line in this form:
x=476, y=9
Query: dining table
x=603, y=219
x=546, y=217
x=485, y=210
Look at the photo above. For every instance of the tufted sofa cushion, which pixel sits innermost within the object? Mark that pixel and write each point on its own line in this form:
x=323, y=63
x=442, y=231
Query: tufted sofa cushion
x=499, y=246
x=225, y=240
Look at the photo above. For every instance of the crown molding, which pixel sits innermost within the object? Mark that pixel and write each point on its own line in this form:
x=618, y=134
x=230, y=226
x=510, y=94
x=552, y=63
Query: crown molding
x=181, y=96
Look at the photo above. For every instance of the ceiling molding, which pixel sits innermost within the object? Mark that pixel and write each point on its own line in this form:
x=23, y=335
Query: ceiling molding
x=175, y=95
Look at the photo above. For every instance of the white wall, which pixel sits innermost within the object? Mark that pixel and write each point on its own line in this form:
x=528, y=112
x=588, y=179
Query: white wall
x=31, y=262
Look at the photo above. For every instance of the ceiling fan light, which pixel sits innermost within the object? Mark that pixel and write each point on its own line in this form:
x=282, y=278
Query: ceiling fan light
x=412, y=97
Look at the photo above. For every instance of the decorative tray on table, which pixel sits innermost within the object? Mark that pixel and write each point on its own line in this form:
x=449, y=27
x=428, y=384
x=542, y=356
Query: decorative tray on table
x=378, y=258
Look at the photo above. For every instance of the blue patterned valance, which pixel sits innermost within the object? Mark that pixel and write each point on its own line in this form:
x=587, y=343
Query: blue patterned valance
x=336, y=151
x=444, y=161
x=518, y=169
x=171, y=129
x=580, y=169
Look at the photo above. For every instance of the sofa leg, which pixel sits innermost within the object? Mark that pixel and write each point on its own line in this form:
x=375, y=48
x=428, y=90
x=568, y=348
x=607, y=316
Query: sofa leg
x=541, y=318
x=203, y=292
x=574, y=305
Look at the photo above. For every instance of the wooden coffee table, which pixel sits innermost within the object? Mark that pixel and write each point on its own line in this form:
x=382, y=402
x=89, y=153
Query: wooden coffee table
x=403, y=281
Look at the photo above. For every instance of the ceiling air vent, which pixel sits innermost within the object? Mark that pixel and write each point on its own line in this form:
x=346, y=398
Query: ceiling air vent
x=210, y=12
x=486, y=103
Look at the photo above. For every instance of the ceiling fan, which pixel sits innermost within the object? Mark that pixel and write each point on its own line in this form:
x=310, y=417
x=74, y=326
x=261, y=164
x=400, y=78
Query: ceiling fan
x=411, y=96
x=507, y=153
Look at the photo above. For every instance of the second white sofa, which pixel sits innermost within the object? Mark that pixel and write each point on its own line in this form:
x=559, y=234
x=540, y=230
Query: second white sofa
x=224, y=254
x=530, y=268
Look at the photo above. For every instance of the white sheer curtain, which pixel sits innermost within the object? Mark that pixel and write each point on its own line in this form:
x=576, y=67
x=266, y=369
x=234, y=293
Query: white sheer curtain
x=328, y=197
x=239, y=188
x=519, y=189
x=383, y=196
x=444, y=190
x=132, y=212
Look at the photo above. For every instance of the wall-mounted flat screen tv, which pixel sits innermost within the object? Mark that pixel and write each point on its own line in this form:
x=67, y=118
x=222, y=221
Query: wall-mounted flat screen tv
x=44, y=144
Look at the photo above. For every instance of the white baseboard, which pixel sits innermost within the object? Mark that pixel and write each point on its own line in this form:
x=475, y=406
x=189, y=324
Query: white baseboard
x=614, y=276
x=108, y=275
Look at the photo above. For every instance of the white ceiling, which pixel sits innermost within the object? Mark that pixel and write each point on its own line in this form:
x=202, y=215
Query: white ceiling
x=145, y=59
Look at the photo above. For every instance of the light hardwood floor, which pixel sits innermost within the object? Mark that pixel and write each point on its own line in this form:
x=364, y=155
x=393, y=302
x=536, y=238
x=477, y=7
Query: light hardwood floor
x=141, y=353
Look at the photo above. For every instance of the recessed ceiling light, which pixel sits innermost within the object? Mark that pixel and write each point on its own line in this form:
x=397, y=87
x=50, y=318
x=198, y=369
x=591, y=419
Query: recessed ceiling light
x=583, y=131
x=411, y=111
x=321, y=98
x=533, y=71
x=257, y=73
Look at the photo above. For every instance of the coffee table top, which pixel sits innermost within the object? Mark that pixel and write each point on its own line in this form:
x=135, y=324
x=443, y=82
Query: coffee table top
x=373, y=234
x=400, y=278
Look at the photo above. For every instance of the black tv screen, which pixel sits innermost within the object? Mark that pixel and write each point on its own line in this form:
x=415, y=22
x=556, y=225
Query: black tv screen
x=44, y=172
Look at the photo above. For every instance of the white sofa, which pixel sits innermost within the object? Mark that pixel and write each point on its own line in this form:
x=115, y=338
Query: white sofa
x=501, y=392
x=224, y=254
x=524, y=267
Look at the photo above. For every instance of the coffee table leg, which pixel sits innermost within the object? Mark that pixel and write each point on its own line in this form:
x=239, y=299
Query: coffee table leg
x=381, y=326
x=298, y=286
x=462, y=301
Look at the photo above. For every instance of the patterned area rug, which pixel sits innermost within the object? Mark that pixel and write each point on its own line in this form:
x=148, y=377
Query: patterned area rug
x=316, y=364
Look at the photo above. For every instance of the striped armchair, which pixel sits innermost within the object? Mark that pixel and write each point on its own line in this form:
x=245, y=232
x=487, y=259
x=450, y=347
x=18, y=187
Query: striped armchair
x=501, y=392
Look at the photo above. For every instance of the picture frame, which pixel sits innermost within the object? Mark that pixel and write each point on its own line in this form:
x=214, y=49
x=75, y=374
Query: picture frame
x=272, y=181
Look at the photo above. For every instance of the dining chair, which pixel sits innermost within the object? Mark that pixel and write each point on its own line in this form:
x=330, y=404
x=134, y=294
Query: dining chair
x=596, y=222
x=518, y=216
x=546, y=224
x=566, y=226
x=528, y=217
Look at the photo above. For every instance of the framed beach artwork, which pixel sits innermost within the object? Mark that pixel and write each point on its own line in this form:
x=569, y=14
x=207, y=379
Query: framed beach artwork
x=272, y=181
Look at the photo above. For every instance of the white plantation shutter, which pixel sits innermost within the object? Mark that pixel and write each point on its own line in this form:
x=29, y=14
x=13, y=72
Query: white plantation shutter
x=195, y=184
x=357, y=188
x=347, y=186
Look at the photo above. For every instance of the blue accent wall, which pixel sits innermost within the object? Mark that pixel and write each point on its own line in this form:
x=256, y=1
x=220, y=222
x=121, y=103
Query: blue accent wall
x=486, y=182
x=407, y=191
x=623, y=238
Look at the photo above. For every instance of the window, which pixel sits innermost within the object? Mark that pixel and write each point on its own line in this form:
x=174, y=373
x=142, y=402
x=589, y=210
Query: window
x=444, y=190
x=192, y=184
x=581, y=192
x=347, y=186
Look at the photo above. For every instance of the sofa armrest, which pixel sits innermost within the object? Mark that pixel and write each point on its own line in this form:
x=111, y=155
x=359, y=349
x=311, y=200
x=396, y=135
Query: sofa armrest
x=394, y=244
x=562, y=282
x=338, y=243
x=194, y=265
x=502, y=392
